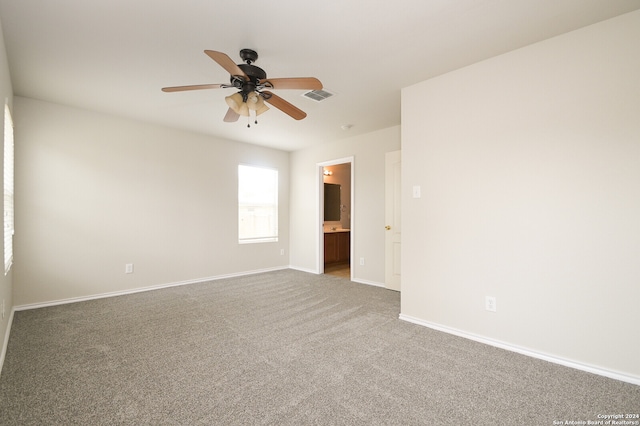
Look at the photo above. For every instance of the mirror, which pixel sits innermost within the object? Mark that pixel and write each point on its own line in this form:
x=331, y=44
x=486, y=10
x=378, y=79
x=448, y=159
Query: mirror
x=331, y=202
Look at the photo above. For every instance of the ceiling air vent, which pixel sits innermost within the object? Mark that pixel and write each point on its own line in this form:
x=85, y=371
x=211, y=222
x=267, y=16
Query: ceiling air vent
x=317, y=95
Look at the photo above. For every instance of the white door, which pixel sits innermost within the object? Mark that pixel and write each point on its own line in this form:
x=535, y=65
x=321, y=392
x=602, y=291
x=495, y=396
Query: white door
x=392, y=218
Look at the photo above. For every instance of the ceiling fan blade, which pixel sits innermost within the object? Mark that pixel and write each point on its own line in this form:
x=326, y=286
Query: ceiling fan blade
x=226, y=62
x=284, y=106
x=231, y=116
x=194, y=87
x=301, y=83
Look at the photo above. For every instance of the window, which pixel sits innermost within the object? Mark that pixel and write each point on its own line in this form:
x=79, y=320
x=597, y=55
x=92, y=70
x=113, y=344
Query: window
x=8, y=189
x=257, y=204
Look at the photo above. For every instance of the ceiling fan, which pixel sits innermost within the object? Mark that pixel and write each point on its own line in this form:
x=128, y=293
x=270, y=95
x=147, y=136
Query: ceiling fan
x=253, y=86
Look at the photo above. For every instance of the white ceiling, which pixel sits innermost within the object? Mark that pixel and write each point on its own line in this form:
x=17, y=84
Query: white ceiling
x=114, y=56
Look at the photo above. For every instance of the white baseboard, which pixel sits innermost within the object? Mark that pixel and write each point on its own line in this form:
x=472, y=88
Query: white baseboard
x=141, y=289
x=524, y=351
x=310, y=271
x=503, y=345
x=6, y=339
x=373, y=283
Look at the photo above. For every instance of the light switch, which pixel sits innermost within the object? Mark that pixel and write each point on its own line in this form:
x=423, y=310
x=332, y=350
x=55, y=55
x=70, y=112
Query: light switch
x=416, y=191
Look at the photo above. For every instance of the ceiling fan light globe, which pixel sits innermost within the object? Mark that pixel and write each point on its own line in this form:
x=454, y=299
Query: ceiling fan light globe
x=243, y=110
x=255, y=102
x=253, y=99
x=261, y=109
x=234, y=102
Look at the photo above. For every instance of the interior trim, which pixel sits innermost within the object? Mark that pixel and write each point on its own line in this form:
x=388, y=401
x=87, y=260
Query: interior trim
x=141, y=289
x=524, y=351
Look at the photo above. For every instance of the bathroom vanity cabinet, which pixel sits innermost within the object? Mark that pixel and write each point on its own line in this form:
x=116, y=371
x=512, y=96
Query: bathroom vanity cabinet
x=336, y=246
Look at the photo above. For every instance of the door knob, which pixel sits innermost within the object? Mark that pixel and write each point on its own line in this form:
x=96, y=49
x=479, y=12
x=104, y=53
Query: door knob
x=387, y=227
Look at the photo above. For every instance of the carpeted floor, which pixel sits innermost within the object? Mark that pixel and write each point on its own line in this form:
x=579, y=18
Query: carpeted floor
x=279, y=348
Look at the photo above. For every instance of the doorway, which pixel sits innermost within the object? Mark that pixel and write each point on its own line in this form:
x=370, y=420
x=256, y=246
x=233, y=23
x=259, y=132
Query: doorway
x=335, y=217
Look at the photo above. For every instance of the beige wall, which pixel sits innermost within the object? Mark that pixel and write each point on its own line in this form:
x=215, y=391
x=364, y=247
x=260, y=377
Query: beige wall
x=94, y=192
x=97, y=192
x=529, y=165
x=367, y=236
x=6, y=93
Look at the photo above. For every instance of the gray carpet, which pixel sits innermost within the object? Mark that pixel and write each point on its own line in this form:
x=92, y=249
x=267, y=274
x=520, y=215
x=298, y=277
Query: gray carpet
x=280, y=348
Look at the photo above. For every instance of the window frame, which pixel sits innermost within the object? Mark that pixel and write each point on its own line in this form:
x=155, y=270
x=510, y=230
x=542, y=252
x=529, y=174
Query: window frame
x=264, y=225
x=8, y=188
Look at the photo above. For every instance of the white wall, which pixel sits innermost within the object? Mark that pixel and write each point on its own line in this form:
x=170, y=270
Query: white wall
x=6, y=93
x=368, y=210
x=94, y=192
x=530, y=171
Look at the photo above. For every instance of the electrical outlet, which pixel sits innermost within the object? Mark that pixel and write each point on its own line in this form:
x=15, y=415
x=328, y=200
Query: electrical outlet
x=128, y=268
x=490, y=303
x=362, y=261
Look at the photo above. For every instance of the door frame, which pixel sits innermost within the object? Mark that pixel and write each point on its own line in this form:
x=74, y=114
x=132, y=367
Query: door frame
x=320, y=211
x=392, y=281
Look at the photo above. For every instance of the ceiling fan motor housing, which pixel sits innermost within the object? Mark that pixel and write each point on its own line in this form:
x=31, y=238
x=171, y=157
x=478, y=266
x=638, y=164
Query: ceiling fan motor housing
x=254, y=73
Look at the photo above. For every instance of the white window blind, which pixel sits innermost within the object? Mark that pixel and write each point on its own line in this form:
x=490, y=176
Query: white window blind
x=257, y=204
x=8, y=189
